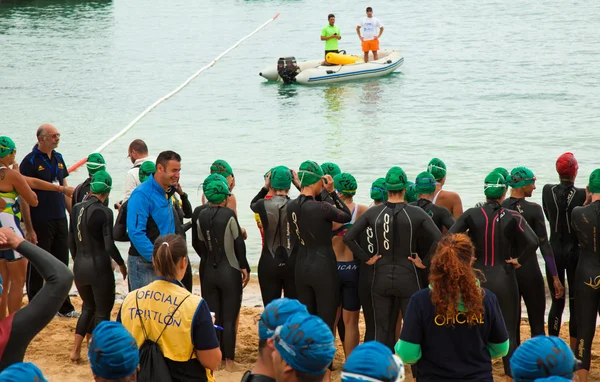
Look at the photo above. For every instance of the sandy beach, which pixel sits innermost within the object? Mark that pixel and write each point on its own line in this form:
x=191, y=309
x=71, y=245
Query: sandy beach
x=50, y=350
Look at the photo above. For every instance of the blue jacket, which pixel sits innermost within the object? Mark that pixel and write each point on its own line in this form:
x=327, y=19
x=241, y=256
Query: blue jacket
x=148, y=201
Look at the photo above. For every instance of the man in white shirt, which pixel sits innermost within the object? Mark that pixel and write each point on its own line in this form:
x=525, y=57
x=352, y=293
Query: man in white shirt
x=138, y=154
x=369, y=29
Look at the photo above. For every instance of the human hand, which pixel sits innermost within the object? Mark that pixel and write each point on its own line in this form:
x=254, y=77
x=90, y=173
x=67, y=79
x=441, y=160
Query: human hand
x=373, y=260
x=559, y=289
x=328, y=183
x=295, y=179
x=9, y=239
x=68, y=191
x=417, y=261
x=514, y=263
x=268, y=180
x=179, y=189
x=244, y=233
x=31, y=236
x=361, y=38
x=123, y=269
x=245, y=278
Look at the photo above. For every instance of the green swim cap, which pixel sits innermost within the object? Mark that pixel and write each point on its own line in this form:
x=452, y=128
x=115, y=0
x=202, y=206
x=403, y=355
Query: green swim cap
x=95, y=162
x=101, y=182
x=520, y=177
x=330, y=168
x=309, y=173
x=215, y=188
x=502, y=171
x=221, y=167
x=146, y=169
x=494, y=185
x=7, y=146
x=395, y=179
x=378, y=191
x=594, y=182
x=345, y=184
x=281, y=178
x=437, y=168
x=425, y=183
x=411, y=194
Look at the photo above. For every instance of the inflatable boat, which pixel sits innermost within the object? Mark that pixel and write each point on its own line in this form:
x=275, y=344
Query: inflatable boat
x=341, y=67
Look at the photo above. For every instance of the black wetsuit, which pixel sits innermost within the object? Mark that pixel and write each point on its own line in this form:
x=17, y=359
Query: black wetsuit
x=276, y=264
x=217, y=238
x=92, y=246
x=317, y=279
x=558, y=201
x=440, y=215
x=395, y=231
x=18, y=329
x=586, y=224
x=529, y=276
x=184, y=211
x=82, y=191
x=499, y=234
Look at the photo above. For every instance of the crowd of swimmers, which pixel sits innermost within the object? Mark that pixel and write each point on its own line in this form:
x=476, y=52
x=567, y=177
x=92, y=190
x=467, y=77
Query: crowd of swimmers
x=439, y=287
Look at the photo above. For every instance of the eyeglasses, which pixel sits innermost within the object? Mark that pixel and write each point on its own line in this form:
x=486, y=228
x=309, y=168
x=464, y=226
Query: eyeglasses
x=53, y=136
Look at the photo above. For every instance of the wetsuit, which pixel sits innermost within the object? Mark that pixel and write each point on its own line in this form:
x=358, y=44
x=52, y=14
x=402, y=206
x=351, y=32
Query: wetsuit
x=558, y=201
x=82, y=191
x=10, y=217
x=395, y=231
x=317, y=279
x=586, y=224
x=92, y=246
x=217, y=238
x=499, y=234
x=183, y=211
x=440, y=215
x=276, y=264
x=348, y=271
x=18, y=329
x=529, y=276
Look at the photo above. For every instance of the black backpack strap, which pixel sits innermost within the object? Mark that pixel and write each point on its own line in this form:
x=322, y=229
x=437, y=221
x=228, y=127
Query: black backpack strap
x=140, y=317
x=171, y=315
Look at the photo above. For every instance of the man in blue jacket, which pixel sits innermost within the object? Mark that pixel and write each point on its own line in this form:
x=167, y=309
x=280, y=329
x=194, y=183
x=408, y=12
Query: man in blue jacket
x=149, y=216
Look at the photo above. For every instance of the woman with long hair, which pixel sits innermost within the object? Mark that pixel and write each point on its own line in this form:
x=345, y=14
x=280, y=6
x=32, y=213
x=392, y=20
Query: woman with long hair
x=454, y=328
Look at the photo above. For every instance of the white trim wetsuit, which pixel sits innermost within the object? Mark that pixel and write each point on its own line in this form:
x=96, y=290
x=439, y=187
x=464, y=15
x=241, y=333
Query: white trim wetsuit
x=529, y=276
x=217, y=238
x=278, y=256
x=317, y=278
x=499, y=234
x=558, y=201
x=586, y=224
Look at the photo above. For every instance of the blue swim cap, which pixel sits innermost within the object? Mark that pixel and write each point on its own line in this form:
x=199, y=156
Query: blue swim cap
x=275, y=314
x=551, y=351
x=305, y=343
x=22, y=372
x=372, y=360
x=554, y=379
x=113, y=352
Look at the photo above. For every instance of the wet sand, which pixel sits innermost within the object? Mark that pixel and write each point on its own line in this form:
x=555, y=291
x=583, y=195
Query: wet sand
x=50, y=350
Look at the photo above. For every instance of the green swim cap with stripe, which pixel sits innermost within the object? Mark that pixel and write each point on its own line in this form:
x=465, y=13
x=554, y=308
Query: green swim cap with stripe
x=281, y=178
x=345, y=184
x=101, y=182
x=378, y=191
x=520, y=177
x=215, y=188
x=411, y=194
x=494, y=185
x=7, y=146
x=146, y=169
x=502, y=171
x=395, y=179
x=95, y=162
x=309, y=173
x=594, y=181
x=425, y=183
x=330, y=168
x=221, y=166
x=437, y=168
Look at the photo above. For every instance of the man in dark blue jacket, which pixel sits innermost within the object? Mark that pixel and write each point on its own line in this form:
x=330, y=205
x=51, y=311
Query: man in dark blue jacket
x=149, y=216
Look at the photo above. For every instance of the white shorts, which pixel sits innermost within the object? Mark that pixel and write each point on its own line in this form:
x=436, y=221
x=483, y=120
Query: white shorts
x=8, y=220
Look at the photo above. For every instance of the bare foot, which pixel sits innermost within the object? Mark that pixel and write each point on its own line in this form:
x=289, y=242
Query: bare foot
x=75, y=356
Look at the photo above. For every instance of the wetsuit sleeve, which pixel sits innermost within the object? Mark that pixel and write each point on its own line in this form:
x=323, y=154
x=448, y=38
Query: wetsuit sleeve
x=448, y=220
x=197, y=242
x=432, y=234
x=120, y=228
x=204, y=336
x=107, y=231
x=408, y=347
x=460, y=225
x=539, y=227
x=341, y=213
x=186, y=206
x=497, y=342
x=34, y=317
x=238, y=244
x=72, y=241
x=260, y=196
x=351, y=237
x=137, y=219
x=523, y=238
x=544, y=204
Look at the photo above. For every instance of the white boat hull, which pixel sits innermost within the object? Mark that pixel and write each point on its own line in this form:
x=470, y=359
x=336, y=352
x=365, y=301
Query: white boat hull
x=314, y=73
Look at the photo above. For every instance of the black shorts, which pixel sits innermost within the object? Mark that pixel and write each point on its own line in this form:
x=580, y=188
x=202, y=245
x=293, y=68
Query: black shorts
x=331, y=51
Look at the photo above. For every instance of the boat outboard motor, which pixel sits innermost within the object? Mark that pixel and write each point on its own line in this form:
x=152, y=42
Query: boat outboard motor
x=287, y=67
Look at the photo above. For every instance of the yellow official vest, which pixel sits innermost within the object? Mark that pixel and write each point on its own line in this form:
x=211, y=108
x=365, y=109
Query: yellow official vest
x=156, y=302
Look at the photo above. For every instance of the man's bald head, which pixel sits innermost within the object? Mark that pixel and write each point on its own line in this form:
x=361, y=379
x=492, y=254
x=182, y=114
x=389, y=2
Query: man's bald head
x=48, y=137
x=46, y=129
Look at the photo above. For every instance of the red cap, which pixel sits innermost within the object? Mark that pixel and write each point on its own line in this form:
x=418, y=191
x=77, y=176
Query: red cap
x=566, y=165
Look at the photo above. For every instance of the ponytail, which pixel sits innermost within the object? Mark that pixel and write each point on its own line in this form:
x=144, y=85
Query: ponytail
x=453, y=279
x=168, y=251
